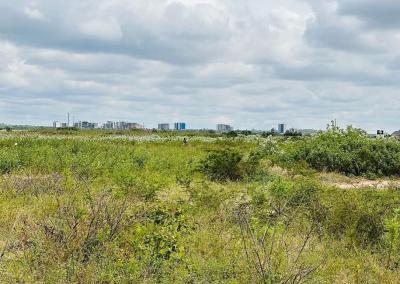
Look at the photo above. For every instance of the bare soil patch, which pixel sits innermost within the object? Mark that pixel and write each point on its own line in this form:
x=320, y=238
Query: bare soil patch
x=344, y=182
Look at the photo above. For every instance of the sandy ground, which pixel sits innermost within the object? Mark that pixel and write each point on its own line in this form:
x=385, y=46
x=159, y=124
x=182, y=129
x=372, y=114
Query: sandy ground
x=344, y=182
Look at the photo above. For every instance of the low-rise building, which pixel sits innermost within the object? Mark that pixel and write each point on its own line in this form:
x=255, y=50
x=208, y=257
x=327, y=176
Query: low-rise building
x=85, y=125
x=57, y=124
x=122, y=125
x=380, y=133
x=224, y=128
x=163, y=126
x=133, y=125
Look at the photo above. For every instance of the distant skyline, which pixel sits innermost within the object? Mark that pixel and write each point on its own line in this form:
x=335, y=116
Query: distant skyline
x=251, y=64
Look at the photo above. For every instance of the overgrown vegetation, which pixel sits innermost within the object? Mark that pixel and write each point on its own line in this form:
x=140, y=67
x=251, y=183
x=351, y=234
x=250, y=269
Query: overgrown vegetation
x=222, y=165
x=348, y=152
x=113, y=209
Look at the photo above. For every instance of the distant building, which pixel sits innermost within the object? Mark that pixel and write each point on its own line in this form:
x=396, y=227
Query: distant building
x=85, y=125
x=109, y=125
x=163, y=126
x=281, y=128
x=224, y=128
x=57, y=124
x=121, y=125
x=396, y=134
x=180, y=126
x=133, y=125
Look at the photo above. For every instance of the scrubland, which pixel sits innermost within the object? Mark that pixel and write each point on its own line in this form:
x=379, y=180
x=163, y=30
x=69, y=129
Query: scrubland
x=104, y=207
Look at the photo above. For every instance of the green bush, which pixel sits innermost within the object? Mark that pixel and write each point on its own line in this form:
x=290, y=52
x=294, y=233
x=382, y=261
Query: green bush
x=368, y=230
x=9, y=161
x=349, y=152
x=222, y=165
x=392, y=239
x=231, y=134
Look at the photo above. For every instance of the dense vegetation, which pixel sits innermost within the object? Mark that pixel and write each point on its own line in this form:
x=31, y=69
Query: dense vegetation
x=348, y=151
x=97, y=207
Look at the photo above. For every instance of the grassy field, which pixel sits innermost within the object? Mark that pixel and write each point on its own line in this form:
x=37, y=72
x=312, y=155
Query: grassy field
x=143, y=207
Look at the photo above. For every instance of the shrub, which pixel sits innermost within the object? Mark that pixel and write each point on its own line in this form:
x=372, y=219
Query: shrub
x=231, y=134
x=293, y=133
x=75, y=236
x=368, y=230
x=272, y=132
x=251, y=165
x=222, y=165
x=268, y=228
x=158, y=240
x=8, y=161
x=392, y=239
x=349, y=152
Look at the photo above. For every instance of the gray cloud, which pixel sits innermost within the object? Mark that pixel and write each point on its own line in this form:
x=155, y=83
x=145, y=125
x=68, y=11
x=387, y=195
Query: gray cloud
x=377, y=15
x=249, y=63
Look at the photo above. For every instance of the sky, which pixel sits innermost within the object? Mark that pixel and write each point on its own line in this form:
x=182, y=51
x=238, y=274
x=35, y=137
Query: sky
x=252, y=64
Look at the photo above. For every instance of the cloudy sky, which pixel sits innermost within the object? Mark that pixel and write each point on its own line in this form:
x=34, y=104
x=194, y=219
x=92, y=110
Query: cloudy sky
x=250, y=63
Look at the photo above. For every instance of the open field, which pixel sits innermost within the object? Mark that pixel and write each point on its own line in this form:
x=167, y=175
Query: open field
x=143, y=207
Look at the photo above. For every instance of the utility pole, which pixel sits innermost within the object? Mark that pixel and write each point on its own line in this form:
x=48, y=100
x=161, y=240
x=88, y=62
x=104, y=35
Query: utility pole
x=68, y=119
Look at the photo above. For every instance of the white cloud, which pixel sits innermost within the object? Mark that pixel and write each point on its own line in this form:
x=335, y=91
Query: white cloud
x=102, y=29
x=34, y=13
x=249, y=63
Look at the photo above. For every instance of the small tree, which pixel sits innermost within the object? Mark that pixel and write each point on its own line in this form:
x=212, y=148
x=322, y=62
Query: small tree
x=272, y=132
x=293, y=133
x=231, y=134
